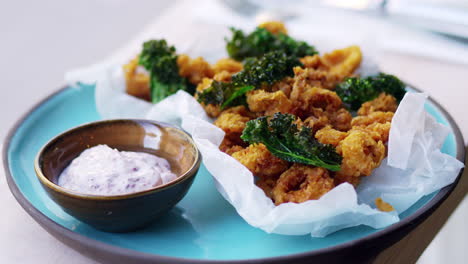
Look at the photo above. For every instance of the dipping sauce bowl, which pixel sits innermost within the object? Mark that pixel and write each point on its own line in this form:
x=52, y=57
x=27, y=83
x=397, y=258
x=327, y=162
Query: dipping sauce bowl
x=127, y=212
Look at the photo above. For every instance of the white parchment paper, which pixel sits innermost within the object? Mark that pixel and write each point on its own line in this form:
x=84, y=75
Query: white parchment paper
x=414, y=167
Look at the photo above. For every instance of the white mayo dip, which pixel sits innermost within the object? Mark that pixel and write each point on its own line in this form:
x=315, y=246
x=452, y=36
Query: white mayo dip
x=101, y=170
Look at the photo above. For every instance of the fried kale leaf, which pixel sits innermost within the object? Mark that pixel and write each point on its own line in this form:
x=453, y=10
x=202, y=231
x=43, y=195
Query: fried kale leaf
x=161, y=62
x=224, y=94
x=283, y=139
x=261, y=41
x=355, y=91
x=266, y=70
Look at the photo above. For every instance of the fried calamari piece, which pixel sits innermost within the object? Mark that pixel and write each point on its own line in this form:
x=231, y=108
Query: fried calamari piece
x=259, y=160
x=228, y=65
x=361, y=154
x=284, y=85
x=223, y=76
x=317, y=119
x=275, y=27
x=383, y=103
x=375, y=117
x=330, y=69
x=378, y=131
x=340, y=119
x=268, y=103
x=362, y=149
x=305, y=77
x=194, y=69
x=229, y=146
x=231, y=122
x=305, y=99
x=383, y=129
x=267, y=185
x=316, y=97
x=211, y=109
x=240, y=110
x=137, y=80
x=311, y=61
x=342, y=62
x=301, y=183
x=328, y=135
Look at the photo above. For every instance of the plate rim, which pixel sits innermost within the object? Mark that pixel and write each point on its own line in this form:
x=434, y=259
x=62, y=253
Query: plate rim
x=102, y=251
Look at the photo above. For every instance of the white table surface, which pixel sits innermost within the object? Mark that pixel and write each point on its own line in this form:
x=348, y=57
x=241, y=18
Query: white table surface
x=40, y=42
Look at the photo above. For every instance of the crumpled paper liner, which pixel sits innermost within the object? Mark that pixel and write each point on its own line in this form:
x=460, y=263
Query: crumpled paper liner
x=414, y=167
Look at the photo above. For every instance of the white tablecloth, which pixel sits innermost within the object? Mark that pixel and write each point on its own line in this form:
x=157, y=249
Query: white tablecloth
x=24, y=241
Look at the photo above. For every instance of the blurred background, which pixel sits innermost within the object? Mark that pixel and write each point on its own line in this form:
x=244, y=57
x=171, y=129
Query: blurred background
x=424, y=42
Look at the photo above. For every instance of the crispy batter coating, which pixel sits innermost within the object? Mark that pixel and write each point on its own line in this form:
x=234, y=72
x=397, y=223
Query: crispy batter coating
x=378, y=131
x=375, y=117
x=362, y=149
x=137, y=81
x=223, y=76
x=267, y=185
x=227, y=64
x=383, y=206
x=314, y=77
x=311, y=61
x=231, y=122
x=340, y=119
x=212, y=110
x=330, y=69
x=275, y=27
x=361, y=154
x=229, y=146
x=284, y=85
x=383, y=103
x=194, y=69
x=317, y=119
x=317, y=97
x=328, y=135
x=342, y=62
x=306, y=98
x=301, y=183
x=260, y=161
x=240, y=110
x=268, y=103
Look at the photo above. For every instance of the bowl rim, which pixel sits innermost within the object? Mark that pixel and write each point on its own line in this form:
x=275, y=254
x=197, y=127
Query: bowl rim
x=103, y=251
x=75, y=194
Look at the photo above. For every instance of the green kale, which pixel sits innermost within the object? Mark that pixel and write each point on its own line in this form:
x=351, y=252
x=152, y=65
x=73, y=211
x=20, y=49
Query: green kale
x=237, y=97
x=257, y=72
x=215, y=94
x=153, y=50
x=224, y=94
x=266, y=70
x=283, y=139
x=161, y=62
x=355, y=91
x=261, y=41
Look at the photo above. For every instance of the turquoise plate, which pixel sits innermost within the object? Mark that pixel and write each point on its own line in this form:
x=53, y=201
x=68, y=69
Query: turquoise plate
x=203, y=227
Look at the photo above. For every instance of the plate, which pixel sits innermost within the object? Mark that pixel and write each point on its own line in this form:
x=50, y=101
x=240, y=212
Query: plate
x=203, y=227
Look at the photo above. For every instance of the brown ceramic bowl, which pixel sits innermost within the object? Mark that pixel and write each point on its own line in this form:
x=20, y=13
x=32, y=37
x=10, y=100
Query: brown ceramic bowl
x=120, y=213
